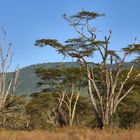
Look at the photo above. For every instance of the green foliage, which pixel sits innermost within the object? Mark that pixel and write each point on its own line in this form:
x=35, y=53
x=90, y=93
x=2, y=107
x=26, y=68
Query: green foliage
x=43, y=105
x=133, y=49
x=51, y=42
x=62, y=76
x=40, y=106
x=22, y=116
x=14, y=116
x=129, y=113
x=86, y=15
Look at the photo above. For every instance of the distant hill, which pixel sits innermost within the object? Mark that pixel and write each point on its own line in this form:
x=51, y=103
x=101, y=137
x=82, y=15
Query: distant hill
x=29, y=79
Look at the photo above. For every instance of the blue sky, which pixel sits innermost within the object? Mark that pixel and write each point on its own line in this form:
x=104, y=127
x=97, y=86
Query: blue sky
x=28, y=20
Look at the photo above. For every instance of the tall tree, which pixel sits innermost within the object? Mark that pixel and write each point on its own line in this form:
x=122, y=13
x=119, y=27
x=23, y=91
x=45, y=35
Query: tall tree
x=66, y=82
x=106, y=89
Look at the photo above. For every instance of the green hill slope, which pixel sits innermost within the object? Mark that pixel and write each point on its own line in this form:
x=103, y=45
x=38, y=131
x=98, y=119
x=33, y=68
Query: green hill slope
x=29, y=79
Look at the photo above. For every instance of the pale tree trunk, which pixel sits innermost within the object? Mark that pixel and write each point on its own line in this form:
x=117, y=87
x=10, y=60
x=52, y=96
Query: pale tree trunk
x=7, y=86
x=69, y=100
x=105, y=104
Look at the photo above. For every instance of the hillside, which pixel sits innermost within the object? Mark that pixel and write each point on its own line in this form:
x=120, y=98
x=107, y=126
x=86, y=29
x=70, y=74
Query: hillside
x=29, y=79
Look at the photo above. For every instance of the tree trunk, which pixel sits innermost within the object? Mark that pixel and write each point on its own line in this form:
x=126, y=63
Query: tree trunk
x=103, y=122
x=106, y=122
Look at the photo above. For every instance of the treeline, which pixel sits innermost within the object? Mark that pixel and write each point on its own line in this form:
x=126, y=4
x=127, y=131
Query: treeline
x=39, y=110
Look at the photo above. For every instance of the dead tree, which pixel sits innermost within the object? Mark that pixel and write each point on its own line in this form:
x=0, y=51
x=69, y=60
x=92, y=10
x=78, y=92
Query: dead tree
x=7, y=86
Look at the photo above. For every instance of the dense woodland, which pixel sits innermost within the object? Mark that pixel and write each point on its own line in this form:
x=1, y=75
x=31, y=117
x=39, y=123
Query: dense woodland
x=37, y=111
x=93, y=94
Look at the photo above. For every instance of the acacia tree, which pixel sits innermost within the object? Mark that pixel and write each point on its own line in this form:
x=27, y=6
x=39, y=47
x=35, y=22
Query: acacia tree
x=69, y=102
x=134, y=49
x=66, y=83
x=105, y=87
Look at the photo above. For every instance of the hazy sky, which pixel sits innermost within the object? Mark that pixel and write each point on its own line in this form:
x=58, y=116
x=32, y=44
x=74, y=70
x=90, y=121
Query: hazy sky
x=28, y=20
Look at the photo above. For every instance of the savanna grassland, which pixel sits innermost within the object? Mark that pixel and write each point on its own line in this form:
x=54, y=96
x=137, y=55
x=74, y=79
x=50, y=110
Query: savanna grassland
x=72, y=134
x=72, y=103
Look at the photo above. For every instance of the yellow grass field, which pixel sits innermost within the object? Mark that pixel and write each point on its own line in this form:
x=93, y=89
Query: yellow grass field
x=72, y=134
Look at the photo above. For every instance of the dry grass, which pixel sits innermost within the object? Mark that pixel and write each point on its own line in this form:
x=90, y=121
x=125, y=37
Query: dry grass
x=72, y=134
